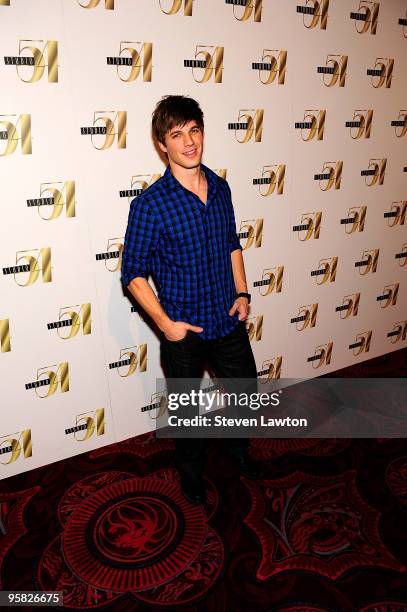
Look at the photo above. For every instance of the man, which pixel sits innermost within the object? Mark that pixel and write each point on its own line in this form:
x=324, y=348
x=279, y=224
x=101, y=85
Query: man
x=182, y=230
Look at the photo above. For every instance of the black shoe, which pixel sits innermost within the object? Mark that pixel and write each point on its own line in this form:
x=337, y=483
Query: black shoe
x=248, y=467
x=193, y=489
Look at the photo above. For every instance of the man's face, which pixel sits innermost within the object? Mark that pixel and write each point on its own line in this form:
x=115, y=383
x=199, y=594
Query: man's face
x=184, y=145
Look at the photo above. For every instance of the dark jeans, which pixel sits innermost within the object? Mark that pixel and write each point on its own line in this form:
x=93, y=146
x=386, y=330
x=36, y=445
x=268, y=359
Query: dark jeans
x=227, y=357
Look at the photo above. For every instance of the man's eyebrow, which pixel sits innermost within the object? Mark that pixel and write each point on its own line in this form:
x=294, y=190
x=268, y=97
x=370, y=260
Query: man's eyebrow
x=172, y=132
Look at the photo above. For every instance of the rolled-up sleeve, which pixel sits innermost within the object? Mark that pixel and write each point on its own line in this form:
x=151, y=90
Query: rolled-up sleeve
x=140, y=241
x=234, y=242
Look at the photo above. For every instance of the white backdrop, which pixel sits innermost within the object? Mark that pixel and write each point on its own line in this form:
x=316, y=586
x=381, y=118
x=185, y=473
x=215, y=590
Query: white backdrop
x=64, y=218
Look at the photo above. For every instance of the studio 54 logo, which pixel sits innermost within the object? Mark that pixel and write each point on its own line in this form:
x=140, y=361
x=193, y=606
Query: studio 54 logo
x=366, y=17
x=272, y=180
x=5, y=346
x=313, y=124
x=138, y=184
x=109, y=124
x=15, y=445
x=245, y=10
x=271, y=281
x=90, y=4
x=172, y=7
x=397, y=214
x=273, y=64
x=33, y=264
x=322, y=355
x=314, y=14
x=306, y=318
x=309, y=227
x=252, y=231
x=87, y=424
x=15, y=130
x=49, y=380
x=35, y=59
x=130, y=359
x=249, y=125
x=53, y=198
x=134, y=59
x=382, y=72
x=334, y=71
x=207, y=63
x=113, y=255
x=71, y=320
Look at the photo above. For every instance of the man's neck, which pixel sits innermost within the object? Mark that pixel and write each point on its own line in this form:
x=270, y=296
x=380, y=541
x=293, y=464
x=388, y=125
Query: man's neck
x=188, y=177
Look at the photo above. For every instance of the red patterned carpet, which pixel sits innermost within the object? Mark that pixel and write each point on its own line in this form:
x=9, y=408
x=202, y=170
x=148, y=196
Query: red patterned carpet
x=325, y=531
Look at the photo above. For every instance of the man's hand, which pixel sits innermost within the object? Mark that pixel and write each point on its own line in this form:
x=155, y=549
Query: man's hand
x=242, y=306
x=177, y=330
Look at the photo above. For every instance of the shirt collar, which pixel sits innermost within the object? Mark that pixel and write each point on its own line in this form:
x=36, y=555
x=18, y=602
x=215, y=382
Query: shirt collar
x=211, y=177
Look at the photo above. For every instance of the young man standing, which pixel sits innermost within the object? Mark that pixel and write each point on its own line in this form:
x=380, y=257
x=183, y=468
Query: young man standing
x=182, y=230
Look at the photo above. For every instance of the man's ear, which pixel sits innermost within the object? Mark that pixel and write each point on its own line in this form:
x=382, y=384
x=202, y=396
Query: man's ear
x=163, y=148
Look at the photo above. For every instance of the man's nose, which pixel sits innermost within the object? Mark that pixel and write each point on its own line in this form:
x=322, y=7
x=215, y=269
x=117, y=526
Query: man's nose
x=188, y=140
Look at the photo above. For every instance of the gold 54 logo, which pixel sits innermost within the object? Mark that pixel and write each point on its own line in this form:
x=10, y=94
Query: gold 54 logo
x=334, y=71
x=137, y=58
x=90, y=4
x=73, y=318
x=313, y=124
x=252, y=230
x=315, y=12
x=310, y=224
x=87, y=424
x=254, y=327
x=132, y=359
x=367, y=15
x=114, y=251
x=52, y=379
x=330, y=176
x=171, y=7
x=273, y=63
x=15, y=129
x=139, y=182
x=273, y=177
x=11, y=446
x=61, y=195
x=376, y=170
x=208, y=62
x=250, y=122
x=272, y=280
x=248, y=7
x=31, y=68
x=35, y=261
x=397, y=214
x=111, y=125
x=5, y=346
x=382, y=73
x=400, y=122
x=361, y=124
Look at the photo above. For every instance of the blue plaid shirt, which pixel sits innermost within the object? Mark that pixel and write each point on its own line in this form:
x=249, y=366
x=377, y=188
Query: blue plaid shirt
x=185, y=245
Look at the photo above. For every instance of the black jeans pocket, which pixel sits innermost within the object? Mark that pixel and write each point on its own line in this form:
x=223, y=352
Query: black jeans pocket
x=184, y=339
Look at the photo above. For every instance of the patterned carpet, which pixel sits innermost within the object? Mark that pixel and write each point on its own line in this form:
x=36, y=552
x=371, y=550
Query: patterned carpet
x=325, y=530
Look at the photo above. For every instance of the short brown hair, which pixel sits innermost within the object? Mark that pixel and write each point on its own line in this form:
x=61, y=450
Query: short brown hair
x=171, y=111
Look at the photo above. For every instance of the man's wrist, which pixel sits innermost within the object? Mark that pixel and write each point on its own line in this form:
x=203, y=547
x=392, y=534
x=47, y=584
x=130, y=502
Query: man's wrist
x=164, y=323
x=245, y=295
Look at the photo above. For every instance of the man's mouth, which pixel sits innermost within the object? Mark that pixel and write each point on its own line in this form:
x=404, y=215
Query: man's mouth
x=191, y=153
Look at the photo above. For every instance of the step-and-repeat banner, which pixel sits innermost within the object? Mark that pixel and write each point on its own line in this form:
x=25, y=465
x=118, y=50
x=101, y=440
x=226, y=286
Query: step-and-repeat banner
x=305, y=110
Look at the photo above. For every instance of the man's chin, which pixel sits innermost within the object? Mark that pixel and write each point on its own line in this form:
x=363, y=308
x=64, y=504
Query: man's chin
x=193, y=163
